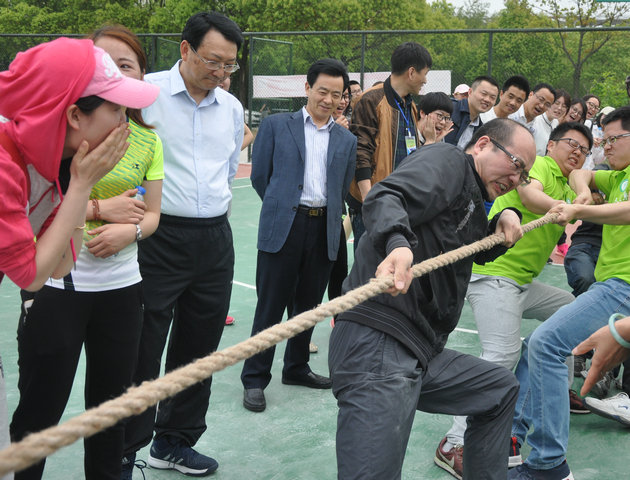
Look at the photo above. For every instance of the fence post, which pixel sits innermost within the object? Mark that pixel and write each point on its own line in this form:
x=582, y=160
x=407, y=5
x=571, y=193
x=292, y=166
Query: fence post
x=363, y=42
x=250, y=90
x=490, y=37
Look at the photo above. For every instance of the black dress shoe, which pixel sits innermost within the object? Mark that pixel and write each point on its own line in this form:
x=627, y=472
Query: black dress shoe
x=311, y=380
x=254, y=399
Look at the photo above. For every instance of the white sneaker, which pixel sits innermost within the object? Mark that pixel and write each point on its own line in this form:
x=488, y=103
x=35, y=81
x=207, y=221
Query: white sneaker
x=616, y=408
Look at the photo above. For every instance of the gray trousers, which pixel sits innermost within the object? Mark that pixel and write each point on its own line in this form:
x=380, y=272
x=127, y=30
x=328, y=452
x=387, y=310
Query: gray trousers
x=379, y=385
x=499, y=304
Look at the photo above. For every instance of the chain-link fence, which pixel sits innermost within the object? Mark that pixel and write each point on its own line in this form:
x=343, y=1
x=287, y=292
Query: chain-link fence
x=274, y=64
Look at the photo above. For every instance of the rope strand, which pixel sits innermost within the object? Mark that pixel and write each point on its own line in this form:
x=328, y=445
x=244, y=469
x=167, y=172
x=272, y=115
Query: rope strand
x=136, y=400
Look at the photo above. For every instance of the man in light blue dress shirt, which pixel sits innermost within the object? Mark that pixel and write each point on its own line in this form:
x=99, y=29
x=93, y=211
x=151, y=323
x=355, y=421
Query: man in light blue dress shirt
x=302, y=166
x=188, y=264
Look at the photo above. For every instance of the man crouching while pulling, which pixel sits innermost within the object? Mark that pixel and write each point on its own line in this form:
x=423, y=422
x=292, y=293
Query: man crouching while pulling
x=387, y=355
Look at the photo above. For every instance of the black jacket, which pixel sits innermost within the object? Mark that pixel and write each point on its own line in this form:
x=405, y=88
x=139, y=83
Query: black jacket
x=433, y=203
x=461, y=119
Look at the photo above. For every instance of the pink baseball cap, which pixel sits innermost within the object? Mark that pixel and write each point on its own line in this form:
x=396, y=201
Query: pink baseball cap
x=111, y=85
x=461, y=88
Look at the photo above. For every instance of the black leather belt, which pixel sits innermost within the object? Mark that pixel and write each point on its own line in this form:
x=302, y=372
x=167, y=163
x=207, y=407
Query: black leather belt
x=312, y=211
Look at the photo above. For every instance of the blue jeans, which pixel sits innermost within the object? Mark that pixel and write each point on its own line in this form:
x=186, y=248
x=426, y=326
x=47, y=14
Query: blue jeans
x=543, y=400
x=579, y=264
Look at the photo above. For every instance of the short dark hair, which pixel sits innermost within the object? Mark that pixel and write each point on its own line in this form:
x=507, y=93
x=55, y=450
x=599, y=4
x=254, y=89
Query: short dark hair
x=576, y=101
x=484, y=78
x=621, y=113
x=353, y=82
x=560, y=131
x=410, y=54
x=201, y=23
x=435, y=101
x=328, y=66
x=540, y=86
x=500, y=129
x=518, y=81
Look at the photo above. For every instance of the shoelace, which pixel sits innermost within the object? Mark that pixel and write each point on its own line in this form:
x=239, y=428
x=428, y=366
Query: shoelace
x=141, y=465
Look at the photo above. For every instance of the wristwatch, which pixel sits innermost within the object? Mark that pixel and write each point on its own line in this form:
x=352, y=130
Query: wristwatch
x=138, y=233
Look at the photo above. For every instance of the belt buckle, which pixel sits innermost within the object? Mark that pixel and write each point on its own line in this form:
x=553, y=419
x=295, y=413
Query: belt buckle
x=313, y=212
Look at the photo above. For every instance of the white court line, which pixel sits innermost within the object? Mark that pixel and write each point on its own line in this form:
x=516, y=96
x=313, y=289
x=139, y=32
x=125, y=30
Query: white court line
x=458, y=329
x=241, y=186
x=246, y=285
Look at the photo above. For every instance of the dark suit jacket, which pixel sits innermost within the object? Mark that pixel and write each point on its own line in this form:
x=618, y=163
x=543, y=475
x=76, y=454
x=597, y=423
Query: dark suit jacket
x=461, y=120
x=278, y=177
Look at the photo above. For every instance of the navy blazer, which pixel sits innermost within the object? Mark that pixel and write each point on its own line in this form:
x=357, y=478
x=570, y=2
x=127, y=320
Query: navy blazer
x=461, y=119
x=278, y=177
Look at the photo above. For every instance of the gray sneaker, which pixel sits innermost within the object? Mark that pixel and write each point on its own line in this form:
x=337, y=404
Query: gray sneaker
x=601, y=388
x=615, y=408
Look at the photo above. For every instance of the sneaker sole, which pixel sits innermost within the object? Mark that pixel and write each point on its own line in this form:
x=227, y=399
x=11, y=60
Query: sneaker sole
x=612, y=416
x=160, y=464
x=571, y=410
x=445, y=466
x=515, y=461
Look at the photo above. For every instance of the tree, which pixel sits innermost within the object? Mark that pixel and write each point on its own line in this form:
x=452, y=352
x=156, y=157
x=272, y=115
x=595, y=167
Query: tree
x=579, y=47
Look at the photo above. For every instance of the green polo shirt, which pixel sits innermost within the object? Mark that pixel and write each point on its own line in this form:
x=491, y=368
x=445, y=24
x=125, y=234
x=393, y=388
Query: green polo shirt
x=614, y=256
x=526, y=259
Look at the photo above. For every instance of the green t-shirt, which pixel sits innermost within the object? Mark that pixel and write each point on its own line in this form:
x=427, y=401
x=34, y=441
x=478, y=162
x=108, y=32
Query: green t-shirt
x=526, y=259
x=614, y=256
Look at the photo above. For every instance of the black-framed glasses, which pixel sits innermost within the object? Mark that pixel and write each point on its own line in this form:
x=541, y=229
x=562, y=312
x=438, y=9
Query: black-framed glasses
x=543, y=101
x=518, y=164
x=214, y=66
x=613, y=138
x=592, y=105
x=441, y=117
x=574, y=144
x=345, y=96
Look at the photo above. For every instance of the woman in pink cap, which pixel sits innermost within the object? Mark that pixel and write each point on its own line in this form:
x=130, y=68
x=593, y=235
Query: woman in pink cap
x=65, y=104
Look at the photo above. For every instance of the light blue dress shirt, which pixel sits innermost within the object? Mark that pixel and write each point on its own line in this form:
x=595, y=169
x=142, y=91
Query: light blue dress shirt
x=201, y=142
x=315, y=164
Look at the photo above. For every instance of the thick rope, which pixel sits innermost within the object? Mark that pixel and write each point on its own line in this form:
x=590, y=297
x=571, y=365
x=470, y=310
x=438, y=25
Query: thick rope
x=136, y=400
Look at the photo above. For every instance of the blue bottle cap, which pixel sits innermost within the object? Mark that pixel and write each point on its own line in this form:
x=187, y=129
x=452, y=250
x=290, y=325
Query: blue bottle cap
x=141, y=190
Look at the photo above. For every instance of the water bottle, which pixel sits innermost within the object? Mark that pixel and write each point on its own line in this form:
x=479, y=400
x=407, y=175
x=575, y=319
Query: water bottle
x=139, y=196
x=141, y=192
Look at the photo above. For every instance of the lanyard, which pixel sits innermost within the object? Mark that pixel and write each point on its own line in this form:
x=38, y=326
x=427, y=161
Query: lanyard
x=404, y=117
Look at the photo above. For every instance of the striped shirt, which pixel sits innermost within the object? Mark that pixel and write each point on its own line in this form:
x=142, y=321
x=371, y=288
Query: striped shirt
x=316, y=143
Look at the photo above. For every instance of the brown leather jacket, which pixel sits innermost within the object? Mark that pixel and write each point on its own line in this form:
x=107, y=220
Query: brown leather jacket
x=375, y=123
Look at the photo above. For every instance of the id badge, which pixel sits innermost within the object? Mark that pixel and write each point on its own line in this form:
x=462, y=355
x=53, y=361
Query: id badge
x=410, y=143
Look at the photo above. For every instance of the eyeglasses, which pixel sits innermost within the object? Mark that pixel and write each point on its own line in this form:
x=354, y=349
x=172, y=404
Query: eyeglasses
x=592, y=105
x=441, y=117
x=214, y=66
x=574, y=144
x=612, y=139
x=516, y=162
x=345, y=97
x=542, y=100
x=576, y=109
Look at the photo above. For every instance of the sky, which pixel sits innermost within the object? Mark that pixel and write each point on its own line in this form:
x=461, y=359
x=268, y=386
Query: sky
x=495, y=5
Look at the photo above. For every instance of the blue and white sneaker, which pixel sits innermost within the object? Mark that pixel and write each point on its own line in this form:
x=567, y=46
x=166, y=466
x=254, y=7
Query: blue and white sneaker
x=523, y=472
x=615, y=408
x=170, y=453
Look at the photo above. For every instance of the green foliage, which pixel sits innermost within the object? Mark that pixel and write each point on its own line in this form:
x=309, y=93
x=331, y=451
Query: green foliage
x=582, y=47
x=610, y=89
x=578, y=61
